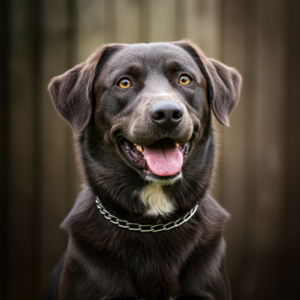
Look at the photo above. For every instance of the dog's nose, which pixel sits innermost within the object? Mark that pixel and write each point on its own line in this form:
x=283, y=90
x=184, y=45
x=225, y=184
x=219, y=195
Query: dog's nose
x=166, y=114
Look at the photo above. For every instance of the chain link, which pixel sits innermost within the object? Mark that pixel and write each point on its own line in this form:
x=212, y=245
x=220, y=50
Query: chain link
x=144, y=228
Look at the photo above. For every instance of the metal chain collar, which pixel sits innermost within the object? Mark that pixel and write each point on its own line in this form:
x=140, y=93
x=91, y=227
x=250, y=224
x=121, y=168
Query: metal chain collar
x=144, y=228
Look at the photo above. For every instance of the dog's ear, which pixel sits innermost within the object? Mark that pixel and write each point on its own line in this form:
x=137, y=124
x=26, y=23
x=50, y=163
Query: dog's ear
x=72, y=91
x=224, y=83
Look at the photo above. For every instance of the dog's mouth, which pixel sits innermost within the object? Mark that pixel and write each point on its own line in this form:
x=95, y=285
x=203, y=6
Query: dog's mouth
x=164, y=158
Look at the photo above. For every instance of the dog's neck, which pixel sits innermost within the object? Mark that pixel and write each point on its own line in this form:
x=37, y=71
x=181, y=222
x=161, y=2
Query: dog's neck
x=157, y=202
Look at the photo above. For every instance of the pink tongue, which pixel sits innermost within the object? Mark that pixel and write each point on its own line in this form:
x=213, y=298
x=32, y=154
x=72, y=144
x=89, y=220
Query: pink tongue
x=163, y=158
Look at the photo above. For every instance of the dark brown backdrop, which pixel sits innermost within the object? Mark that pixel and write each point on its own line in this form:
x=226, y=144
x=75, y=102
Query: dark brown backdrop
x=258, y=177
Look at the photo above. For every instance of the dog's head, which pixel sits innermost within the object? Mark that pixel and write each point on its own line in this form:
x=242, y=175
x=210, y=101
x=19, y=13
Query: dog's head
x=142, y=115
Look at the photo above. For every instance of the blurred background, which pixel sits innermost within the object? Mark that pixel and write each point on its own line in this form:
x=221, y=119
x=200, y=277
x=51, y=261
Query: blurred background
x=258, y=175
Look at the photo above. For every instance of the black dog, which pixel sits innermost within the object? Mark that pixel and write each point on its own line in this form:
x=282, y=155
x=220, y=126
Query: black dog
x=145, y=226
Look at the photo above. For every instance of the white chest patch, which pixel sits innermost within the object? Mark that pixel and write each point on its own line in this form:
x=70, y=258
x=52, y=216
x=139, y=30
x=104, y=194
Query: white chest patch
x=154, y=197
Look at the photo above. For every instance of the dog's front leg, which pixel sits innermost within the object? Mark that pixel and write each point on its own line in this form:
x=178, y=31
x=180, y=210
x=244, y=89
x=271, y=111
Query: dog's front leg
x=205, y=279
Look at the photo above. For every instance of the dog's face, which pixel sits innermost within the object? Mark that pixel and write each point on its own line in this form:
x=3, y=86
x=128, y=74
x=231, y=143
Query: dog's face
x=143, y=111
x=153, y=98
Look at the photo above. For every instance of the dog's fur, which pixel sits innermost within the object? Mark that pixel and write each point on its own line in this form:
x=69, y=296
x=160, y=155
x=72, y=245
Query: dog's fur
x=104, y=261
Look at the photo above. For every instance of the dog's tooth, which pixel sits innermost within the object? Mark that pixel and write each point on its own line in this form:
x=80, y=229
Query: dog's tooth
x=178, y=146
x=139, y=148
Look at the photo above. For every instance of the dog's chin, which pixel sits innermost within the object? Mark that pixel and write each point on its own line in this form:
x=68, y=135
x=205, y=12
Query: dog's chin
x=134, y=155
x=163, y=180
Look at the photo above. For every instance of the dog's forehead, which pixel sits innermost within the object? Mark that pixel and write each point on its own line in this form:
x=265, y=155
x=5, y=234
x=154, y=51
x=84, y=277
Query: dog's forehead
x=151, y=56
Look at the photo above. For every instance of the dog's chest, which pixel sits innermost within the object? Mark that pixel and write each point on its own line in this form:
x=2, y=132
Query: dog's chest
x=149, y=267
x=156, y=200
x=156, y=267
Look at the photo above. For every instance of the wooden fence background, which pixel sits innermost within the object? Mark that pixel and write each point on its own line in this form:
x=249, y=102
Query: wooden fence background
x=258, y=177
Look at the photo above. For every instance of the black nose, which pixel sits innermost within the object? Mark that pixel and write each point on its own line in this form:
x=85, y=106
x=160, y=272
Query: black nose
x=166, y=114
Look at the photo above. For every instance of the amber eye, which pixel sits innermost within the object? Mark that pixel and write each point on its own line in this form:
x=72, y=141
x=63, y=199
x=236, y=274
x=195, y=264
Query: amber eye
x=184, y=80
x=124, y=83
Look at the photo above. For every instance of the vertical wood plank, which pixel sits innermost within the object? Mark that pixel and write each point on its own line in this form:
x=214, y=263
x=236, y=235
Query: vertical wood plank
x=162, y=21
x=37, y=29
x=110, y=21
x=204, y=24
x=54, y=136
x=271, y=92
x=245, y=287
x=91, y=24
x=290, y=256
x=145, y=21
x=128, y=17
x=181, y=19
x=234, y=142
x=21, y=148
x=5, y=17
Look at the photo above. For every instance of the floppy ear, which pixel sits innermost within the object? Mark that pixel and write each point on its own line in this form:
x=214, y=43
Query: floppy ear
x=224, y=83
x=72, y=91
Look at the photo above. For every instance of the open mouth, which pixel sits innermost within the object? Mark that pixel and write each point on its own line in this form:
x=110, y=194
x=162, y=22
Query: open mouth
x=164, y=158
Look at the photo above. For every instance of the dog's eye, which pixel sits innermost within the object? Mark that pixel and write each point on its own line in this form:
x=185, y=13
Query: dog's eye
x=124, y=83
x=184, y=80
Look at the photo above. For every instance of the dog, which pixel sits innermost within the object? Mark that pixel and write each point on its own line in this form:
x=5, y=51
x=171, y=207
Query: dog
x=145, y=226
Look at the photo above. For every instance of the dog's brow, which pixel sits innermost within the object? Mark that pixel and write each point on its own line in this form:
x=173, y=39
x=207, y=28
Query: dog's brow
x=175, y=66
x=134, y=69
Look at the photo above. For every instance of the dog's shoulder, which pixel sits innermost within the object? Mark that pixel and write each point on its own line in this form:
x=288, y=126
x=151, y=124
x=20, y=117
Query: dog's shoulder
x=212, y=214
x=80, y=211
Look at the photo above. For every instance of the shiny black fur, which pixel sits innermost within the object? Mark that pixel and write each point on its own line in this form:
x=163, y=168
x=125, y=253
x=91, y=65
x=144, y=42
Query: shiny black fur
x=104, y=261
